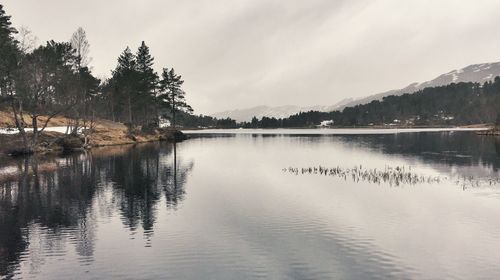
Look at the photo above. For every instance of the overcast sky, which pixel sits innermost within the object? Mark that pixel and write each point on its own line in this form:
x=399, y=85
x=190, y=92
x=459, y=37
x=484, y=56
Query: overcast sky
x=242, y=53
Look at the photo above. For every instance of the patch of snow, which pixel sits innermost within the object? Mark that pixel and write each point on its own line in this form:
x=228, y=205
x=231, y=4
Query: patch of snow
x=7, y=170
x=326, y=123
x=61, y=129
x=489, y=77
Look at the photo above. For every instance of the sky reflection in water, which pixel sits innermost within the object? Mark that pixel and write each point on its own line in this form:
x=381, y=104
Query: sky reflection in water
x=227, y=210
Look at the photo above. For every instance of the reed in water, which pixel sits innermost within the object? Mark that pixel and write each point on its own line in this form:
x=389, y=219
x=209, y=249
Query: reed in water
x=394, y=176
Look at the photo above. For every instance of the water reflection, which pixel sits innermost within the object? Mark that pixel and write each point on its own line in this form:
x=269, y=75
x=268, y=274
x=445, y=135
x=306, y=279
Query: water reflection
x=57, y=194
x=452, y=148
x=145, y=213
x=465, y=152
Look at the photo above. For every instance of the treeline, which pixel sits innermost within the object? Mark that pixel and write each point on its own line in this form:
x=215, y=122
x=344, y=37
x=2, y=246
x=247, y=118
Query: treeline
x=55, y=79
x=137, y=95
x=454, y=104
x=202, y=121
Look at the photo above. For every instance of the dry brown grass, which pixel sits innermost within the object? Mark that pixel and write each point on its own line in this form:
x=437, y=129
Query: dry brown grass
x=105, y=133
x=7, y=120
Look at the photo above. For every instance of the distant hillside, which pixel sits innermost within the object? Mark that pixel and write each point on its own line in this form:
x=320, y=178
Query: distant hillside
x=479, y=73
x=241, y=115
x=476, y=73
x=454, y=104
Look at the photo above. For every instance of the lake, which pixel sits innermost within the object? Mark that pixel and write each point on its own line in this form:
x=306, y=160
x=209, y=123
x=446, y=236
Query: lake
x=258, y=205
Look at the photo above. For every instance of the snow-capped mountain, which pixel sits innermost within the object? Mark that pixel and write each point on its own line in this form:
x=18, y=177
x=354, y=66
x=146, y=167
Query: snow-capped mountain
x=473, y=73
x=276, y=112
x=479, y=73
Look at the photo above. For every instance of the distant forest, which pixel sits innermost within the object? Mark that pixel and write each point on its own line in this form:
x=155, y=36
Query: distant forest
x=454, y=104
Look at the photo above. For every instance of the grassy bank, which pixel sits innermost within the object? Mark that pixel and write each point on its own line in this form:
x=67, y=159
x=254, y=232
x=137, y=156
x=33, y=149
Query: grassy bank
x=104, y=133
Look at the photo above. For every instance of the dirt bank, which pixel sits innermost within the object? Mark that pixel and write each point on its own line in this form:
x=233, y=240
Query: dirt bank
x=105, y=133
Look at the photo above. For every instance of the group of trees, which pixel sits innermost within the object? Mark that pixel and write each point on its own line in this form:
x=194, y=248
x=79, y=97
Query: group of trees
x=36, y=81
x=303, y=119
x=55, y=79
x=454, y=104
x=137, y=95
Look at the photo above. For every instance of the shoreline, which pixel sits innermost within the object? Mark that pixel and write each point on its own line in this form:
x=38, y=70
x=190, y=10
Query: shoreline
x=475, y=126
x=108, y=133
x=56, y=142
x=332, y=131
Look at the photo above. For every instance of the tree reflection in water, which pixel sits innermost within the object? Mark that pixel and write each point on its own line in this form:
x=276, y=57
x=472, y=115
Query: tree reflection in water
x=61, y=196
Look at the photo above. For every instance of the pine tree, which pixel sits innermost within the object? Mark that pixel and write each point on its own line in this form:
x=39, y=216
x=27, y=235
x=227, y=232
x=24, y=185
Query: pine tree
x=255, y=122
x=126, y=62
x=8, y=53
x=144, y=59
x=172, y=94
x=147, y=82
x=125, y=76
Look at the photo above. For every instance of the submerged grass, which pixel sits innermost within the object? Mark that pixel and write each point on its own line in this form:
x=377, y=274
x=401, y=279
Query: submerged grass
x=394, y=176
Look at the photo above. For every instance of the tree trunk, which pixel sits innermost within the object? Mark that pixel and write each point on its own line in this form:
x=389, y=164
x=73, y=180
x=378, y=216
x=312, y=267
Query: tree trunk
x=129, y=111
x=74, y=130
x=113, y=112
x=34, y=139
x=68, y=126
x=19, y=121
x=175, y=165
x=173, y=110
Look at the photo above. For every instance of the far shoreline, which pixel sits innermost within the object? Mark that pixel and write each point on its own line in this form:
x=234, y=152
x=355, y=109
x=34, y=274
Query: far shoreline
x=107, y=138
x=333, y=130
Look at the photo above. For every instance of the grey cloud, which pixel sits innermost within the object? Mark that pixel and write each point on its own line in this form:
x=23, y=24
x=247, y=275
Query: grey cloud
x=242, y=53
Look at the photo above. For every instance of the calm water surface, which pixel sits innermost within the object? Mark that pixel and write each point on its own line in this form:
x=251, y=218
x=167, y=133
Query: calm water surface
x=231, y=206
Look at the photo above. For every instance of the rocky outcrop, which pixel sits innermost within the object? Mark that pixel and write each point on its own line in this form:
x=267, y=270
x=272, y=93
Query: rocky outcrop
x=172, y=136
x=70, y=143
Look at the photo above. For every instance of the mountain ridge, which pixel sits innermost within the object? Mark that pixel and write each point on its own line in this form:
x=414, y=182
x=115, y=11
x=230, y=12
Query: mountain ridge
x=480, y=73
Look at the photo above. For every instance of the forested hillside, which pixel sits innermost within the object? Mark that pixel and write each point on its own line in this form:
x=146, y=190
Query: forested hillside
x=454, y=104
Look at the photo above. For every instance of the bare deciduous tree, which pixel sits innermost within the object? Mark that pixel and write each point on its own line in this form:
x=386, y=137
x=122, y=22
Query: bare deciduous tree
x=81, y=45
x=27, y=40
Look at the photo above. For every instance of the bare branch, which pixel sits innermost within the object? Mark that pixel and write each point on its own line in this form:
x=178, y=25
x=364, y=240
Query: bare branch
x=55, y=114
x=27, y=40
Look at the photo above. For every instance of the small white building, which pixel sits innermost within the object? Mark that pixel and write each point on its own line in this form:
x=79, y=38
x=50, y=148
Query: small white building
x=327, y=123
x=163, y=122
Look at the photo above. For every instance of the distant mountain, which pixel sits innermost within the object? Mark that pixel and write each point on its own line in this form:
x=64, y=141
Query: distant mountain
x=473, y=73
x=479, y=73
x=277, y=112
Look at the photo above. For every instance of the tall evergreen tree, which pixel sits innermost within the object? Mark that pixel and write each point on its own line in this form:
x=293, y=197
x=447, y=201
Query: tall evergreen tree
x=147, y=83
x=172, y=94
x=125, y=76
x=144, y=59
x=8, y=54
x=126, y=61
